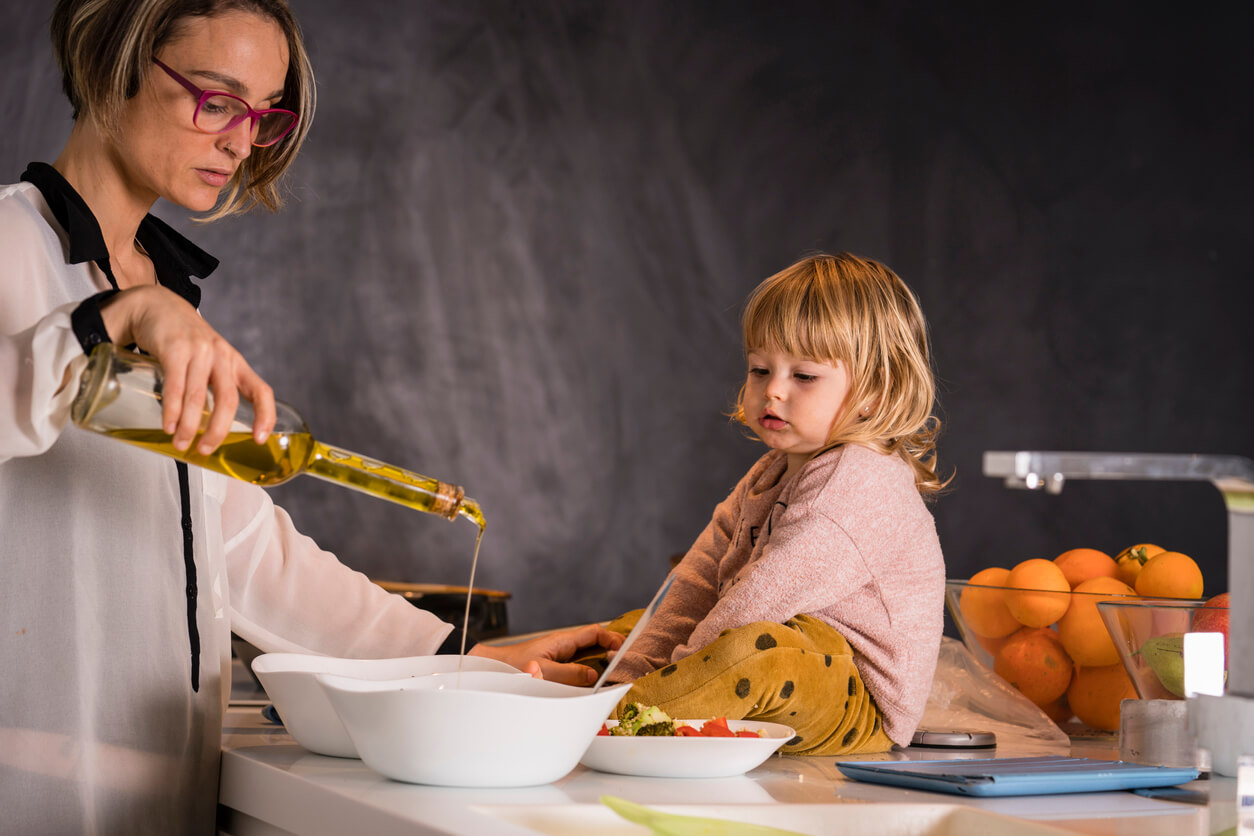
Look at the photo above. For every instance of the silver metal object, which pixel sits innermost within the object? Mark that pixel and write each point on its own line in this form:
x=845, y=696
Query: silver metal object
x=635, y=631
x=1156, y=733
x=1233, y=476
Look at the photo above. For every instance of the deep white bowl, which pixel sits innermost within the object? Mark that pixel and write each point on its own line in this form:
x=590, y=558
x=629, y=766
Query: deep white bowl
x=303, y=706
x=476, y=729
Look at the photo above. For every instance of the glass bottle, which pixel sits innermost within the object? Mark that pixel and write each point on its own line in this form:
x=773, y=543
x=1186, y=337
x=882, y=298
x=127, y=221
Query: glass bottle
x=120, y=396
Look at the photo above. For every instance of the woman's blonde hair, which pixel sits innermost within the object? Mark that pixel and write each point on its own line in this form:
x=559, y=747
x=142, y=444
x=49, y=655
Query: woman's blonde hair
x=855, y=311
x=105, y=49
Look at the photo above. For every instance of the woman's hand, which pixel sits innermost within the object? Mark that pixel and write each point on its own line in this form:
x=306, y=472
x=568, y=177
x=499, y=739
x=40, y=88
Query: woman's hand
x=195, y=359
x=544, y=656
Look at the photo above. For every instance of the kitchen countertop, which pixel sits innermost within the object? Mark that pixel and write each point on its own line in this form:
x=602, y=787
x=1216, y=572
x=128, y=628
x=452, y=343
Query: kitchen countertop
x=271, y=786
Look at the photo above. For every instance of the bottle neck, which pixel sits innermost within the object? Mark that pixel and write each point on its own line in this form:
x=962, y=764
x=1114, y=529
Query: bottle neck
x=389, y=482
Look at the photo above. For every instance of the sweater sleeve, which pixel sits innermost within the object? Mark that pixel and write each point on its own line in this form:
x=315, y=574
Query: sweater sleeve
x=691, y=596
x=809, y=564
x=288, y=595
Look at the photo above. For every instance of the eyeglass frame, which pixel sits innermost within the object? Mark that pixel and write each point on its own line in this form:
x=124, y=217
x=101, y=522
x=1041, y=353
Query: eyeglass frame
x=249, y=112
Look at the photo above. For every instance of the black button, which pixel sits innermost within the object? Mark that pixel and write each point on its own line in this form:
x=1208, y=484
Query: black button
x=191, y=590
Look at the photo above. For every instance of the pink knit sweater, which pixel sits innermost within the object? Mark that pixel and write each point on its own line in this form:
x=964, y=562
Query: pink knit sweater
x=848, y=540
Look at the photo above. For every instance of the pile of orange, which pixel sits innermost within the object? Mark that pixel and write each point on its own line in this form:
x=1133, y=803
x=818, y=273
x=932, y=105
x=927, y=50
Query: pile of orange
x=1039, y=620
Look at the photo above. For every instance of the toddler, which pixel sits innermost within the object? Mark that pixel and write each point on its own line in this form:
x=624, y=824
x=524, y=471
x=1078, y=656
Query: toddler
x=814, y=597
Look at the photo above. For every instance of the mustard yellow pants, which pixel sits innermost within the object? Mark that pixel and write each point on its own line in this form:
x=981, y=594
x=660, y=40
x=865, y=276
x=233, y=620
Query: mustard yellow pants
x=800, y=674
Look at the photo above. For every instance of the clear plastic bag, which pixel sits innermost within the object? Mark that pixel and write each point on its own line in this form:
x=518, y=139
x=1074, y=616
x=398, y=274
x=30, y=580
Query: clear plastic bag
x=968, y=696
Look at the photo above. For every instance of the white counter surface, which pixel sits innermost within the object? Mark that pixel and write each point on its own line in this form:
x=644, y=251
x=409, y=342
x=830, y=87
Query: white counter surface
x=271, y=786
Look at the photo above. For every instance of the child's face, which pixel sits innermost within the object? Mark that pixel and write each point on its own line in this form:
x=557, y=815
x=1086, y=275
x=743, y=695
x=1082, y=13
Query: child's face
x=792, y=403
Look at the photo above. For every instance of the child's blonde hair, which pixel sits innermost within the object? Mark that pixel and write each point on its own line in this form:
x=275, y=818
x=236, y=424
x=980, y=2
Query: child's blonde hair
x=852, y=310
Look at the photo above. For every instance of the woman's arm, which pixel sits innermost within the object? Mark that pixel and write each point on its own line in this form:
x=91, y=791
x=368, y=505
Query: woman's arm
x=545, y=657
x=39, y=367
x=289, y=595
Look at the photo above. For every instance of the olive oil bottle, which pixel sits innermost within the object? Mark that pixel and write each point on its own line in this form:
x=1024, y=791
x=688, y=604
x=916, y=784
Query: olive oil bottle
x=120, y=396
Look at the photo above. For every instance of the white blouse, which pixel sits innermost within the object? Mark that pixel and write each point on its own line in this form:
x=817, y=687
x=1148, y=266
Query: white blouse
x=100, y=729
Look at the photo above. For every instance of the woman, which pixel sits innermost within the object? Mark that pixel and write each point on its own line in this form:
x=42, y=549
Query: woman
x=124, y=573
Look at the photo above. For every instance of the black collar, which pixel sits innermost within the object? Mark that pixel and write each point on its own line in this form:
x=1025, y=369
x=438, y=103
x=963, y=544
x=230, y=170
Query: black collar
x=175, y=258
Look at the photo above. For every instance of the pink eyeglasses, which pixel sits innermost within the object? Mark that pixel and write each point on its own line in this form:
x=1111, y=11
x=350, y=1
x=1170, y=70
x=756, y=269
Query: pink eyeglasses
x=218, y=112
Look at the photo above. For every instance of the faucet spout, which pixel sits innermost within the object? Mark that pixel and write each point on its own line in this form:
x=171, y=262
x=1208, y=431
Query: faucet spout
x=1050, y=470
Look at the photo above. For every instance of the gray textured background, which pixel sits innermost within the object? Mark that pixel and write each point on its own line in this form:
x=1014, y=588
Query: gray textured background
x=520, y=234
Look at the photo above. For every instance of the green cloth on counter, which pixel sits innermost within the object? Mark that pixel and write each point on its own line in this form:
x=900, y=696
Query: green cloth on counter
x=669, y=824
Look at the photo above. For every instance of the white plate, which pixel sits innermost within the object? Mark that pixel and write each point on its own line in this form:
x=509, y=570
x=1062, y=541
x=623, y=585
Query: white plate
x=687, y=757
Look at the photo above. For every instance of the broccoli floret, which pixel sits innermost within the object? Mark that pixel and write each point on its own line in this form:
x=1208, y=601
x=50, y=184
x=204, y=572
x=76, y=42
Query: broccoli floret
x=636, y=719
x=666, y=729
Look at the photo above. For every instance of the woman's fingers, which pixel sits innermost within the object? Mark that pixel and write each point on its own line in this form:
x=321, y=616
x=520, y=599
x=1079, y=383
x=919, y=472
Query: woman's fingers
x=568, y=673
x=195, y=392
x=196, y=361
x=259, y=393
x=173, y=377
x=225, y=402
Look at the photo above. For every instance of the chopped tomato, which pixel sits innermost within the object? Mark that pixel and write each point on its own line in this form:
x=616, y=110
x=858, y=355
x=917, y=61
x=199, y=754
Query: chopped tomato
x=604, y=732
x=717, y=728
x=686, y=731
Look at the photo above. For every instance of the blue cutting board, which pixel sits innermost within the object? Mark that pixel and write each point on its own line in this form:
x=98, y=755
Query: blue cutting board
x=1051, y=775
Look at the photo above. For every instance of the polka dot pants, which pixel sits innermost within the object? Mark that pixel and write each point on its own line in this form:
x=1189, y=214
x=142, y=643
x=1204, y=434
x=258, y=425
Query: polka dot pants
x=800, y=674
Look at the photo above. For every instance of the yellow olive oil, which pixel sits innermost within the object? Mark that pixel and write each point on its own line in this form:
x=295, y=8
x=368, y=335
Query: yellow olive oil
x=281, y=458
x=285, y=455
x=470, y=591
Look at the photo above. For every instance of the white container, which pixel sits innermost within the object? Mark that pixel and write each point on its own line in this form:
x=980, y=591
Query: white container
x=288, y=679
x=687, y=757
x=474, y=729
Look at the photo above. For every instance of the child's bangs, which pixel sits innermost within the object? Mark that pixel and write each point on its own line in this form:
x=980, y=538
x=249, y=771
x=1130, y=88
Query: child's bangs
x=799, y=323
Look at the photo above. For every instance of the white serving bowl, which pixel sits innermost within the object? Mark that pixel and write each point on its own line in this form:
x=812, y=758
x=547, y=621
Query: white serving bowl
x=474, y=729
x=304, y=709
x=687, y=757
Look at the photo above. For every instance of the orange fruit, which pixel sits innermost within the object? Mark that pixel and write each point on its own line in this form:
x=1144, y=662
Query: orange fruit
x=984, y=610
x=1078, y=565
x=1082, y=631
x=992, y=645
x=1132, y=559
x=1033, y=661
x=1059, y=710
x=1040, y=593
x=1095, y=695
x=1170, y=575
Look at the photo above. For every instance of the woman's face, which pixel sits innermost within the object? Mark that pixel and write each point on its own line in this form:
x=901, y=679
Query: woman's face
x=160, y=152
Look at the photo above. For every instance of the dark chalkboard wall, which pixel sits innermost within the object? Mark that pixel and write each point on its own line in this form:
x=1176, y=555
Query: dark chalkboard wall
x=520, y=234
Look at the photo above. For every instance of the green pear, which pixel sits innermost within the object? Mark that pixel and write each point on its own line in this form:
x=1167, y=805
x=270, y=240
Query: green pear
x=1165, y=655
